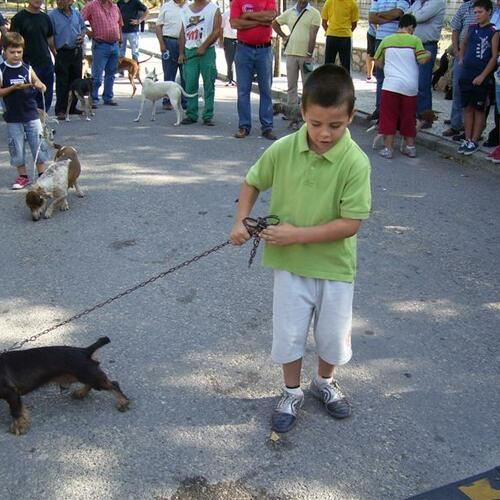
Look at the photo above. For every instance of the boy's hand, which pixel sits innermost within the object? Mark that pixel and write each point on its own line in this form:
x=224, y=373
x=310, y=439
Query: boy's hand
x=281, y=234
x=478, y=80
x=40, y=86
x=21, y=86
x=239, y=234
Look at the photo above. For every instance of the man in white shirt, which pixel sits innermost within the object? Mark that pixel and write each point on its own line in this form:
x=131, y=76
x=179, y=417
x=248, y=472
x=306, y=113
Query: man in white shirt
x=228, y=41
x=168, y=28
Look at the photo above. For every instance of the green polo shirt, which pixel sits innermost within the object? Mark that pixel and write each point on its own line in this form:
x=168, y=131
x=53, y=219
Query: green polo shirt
x=310, y=190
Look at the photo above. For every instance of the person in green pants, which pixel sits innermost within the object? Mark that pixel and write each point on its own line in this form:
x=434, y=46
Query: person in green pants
x=201, y=26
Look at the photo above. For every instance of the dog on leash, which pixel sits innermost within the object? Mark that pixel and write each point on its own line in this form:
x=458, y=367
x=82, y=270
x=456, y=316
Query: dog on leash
x=131, y=66
x=153, y=91
x=54, y=183
x=21, y=372
x=81, y=89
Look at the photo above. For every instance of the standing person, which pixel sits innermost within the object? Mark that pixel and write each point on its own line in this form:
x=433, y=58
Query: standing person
x=168, y=28
x=133, y=12
x=69, y=31
x=370, y=51
x=18, y=88
x=3, y=32
x=399, y=55
x=385, y=14
x=430, y=18
x=36, y=29
x=254, y=56
x=303, y=21
x=320, y=181
x=478, y=59
x=106, y=34
x=340, y=18
x=201, y=25
x=459, y=24
x=228, y=42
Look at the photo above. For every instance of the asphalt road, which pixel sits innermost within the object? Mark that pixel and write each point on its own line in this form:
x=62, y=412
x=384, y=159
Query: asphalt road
x=192, y=350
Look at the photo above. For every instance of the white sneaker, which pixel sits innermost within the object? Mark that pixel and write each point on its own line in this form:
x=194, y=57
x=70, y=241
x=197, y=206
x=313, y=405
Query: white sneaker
x=386, y=153
x=410, y=151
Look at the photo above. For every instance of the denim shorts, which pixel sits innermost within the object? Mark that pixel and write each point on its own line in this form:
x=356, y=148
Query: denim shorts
x=18, y=133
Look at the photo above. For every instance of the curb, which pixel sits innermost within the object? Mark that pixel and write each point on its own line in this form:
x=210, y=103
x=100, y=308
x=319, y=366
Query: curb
x=445, y=147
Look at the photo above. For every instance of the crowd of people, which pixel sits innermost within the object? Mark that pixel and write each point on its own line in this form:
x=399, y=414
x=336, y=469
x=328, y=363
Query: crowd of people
x=402, y=42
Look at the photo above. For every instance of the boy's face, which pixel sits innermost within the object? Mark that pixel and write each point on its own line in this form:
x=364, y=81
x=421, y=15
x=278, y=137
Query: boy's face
x=325, y=126
x=13, y=55
x=482, y=15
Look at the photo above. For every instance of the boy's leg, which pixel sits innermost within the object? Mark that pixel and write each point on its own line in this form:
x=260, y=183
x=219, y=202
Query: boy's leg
x=408, y=123
x=192, y=75
x=332, y=331
x=468, y=122
x=37, y=144
x=389, y=114
x=15, y=142
x=478, y=121
x=208, y=71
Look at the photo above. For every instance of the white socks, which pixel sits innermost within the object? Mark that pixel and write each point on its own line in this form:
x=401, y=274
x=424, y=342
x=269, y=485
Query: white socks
x=296, y=391
x=322, y=381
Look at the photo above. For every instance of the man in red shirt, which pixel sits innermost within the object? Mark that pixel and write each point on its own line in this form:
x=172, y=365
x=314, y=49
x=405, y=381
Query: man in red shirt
x=106, y=25
x=254, y=56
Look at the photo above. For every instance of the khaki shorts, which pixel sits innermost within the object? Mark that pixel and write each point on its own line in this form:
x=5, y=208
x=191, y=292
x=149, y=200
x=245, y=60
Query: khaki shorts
x=296, y=301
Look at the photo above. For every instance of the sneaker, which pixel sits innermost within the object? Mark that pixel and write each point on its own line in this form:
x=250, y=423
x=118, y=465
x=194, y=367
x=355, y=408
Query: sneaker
x=450, y=132
x=471, y=148
x=61, y=117
x=21, y=182
x=335, y=402
x=242, y=133
x=410, y=151
x=209, y=122
x=386, y=153
x=110, y=103
x=463, y=145
x=269, y=134
x=496, y=155
x=493, y=154
x=490, y=143
x=371, y=79
x=188, y=121
x=285, y=414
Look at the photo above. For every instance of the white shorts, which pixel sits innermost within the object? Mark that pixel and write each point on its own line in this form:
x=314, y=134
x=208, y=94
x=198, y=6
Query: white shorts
x=296, y=300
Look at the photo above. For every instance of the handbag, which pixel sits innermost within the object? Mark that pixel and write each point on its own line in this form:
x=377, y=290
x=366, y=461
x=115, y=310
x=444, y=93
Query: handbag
x=293, y=27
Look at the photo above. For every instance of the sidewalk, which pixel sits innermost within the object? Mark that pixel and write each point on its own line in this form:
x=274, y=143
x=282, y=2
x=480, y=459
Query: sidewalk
x=365, y=103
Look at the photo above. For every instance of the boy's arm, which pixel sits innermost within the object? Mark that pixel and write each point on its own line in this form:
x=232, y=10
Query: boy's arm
x=463, y=46
x=246, y=201
x=492, y=63
x=37, y=83
x=18, y=86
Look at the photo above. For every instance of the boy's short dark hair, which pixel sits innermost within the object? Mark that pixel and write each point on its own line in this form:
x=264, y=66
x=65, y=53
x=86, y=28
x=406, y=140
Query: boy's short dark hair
x=14, y=40
x=485, y=4
x=329, y=85
x=407, y=20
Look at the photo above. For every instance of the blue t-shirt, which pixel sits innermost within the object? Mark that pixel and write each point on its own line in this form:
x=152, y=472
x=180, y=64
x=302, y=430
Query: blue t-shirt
x=478, y=51
x=20, y=105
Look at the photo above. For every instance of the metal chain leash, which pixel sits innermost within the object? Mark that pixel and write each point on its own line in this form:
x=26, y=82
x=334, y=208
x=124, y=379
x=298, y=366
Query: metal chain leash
x=253, y=226
x=186, y=263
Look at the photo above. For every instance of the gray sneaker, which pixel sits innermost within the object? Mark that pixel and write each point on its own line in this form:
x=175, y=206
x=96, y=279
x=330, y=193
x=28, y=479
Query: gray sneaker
x=336, y=403
x=285, y=414
x=410, y=151
x=386, y=153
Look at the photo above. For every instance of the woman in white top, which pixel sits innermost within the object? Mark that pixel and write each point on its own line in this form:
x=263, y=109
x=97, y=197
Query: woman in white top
x=228, y=42
x=201, y=26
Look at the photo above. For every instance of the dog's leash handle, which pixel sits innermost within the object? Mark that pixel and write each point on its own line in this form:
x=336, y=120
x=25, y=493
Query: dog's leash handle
x=255, y=227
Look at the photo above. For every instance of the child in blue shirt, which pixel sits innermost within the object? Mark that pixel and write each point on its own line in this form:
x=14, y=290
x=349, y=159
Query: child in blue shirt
x=478, y=58
x=18, y=88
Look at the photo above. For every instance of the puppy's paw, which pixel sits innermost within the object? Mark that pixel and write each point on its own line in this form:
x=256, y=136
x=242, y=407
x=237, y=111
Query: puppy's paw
x=136, y=119
x=80, y=393
x=64, y=206
x=176, y=124
x=20, y=425
x=47, y=215
x=123, y=405
x=80, y=194
x=67, y=118
x=87, y=118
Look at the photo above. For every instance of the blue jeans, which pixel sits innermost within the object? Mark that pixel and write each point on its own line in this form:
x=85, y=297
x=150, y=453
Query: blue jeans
x=456, y=117
x=46, y=74
x=379, y=75
x=133, y=40
x=104, y=59
x=250, y=61
x=171, y=66
x=33, y=133
x=424, y=102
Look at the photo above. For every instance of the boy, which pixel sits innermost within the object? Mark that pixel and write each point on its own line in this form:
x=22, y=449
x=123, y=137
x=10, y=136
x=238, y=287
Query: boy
x=18, y=88
x=478, y=58
x=321, y=192
x=399, y=55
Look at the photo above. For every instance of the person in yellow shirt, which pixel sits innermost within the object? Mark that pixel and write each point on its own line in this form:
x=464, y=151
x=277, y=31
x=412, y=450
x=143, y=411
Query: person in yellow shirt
x=340, y=18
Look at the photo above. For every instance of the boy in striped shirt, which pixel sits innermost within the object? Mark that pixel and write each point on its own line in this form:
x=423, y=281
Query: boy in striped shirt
x=399, y=55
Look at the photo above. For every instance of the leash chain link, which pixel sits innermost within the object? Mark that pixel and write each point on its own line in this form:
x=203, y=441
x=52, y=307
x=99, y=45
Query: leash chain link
x=254, y=228
x=18, y=345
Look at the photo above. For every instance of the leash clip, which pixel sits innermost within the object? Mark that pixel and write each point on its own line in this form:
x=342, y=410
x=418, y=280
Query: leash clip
x=254, y=228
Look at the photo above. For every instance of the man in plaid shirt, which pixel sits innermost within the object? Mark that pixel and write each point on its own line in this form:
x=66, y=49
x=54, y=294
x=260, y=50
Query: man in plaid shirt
x=106, y=25
x=460, y=23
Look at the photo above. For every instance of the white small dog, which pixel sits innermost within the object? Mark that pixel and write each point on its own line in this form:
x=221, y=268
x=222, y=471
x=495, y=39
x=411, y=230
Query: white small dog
x=153, y=90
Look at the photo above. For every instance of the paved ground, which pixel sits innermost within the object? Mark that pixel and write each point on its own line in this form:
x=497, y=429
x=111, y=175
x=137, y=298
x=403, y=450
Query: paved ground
x=192, y=350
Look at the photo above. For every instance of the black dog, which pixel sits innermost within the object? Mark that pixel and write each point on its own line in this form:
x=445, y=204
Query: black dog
x=81, y=89
x=24, y=371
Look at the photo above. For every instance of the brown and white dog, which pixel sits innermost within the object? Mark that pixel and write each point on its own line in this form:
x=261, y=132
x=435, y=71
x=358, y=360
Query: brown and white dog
x=54, y=183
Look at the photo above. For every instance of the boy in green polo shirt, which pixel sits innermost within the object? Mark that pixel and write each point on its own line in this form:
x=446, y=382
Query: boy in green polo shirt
x=321, y=191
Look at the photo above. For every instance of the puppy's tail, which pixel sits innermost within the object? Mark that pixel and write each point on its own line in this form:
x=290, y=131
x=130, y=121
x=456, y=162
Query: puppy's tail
x=100, y=342
x=185, y=94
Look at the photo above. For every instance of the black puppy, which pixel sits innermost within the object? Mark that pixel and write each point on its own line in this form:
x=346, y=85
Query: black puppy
x=24, y=371
x=81, y=89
